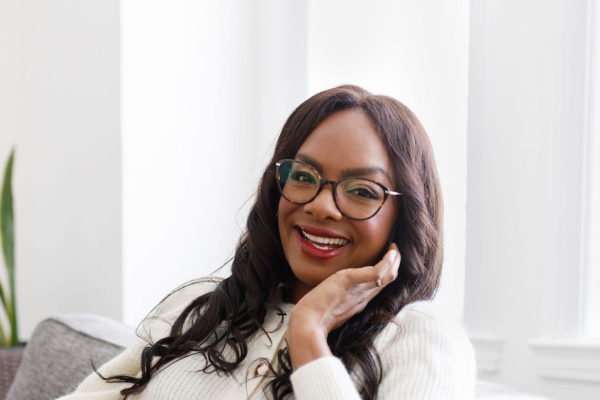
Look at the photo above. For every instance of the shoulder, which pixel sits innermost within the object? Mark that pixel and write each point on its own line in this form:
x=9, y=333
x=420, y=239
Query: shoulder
x=183, y=295
x=159, y=321
x=421, y=331
x=423, y=317
x=428, y=352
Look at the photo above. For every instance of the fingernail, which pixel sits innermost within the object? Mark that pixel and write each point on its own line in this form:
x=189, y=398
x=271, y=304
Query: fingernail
x=393, y=254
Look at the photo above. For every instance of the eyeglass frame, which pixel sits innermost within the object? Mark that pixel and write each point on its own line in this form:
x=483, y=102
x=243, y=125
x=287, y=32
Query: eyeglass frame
x=334, y=184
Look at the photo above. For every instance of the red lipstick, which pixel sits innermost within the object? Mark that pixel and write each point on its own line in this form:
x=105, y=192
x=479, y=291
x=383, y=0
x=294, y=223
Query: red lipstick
x=309, y=249
x=321, y=232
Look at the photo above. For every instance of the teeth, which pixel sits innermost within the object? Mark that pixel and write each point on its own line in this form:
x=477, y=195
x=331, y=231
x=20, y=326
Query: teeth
x=322, y=247
x=325, y=240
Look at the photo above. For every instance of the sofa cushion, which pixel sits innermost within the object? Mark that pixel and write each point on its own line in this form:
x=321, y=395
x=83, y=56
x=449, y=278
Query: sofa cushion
x=60, y=353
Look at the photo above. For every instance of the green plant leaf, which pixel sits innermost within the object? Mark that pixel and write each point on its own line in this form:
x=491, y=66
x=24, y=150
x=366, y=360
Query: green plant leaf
x=3, y=299
x=7, y=235
x=7, y=217
x=3, y=341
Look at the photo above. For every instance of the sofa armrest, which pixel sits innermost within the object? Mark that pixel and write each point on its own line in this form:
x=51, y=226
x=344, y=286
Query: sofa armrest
x=61, y=351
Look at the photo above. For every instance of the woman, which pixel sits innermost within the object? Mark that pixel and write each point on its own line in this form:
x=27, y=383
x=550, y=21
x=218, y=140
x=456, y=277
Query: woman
x=325, y=299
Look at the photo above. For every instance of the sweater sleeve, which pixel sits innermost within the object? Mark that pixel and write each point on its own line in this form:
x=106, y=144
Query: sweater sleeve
x=423, y=357
x=154, y=327
x=325, y=378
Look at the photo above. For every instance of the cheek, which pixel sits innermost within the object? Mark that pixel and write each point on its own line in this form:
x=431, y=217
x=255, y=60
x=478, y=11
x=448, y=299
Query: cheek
x=375, y=232
x=284, y=210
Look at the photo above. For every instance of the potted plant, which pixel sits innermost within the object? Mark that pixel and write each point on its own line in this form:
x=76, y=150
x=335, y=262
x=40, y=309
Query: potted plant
x=10, y=347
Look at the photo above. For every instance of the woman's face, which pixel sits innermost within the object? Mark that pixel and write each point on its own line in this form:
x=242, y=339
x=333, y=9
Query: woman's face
x=344, y=144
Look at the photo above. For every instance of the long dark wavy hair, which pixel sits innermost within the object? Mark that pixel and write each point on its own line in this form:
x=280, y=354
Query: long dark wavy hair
x=239, y=303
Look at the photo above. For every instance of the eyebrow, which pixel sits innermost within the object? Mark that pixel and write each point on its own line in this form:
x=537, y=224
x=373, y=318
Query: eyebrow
x=348, y=171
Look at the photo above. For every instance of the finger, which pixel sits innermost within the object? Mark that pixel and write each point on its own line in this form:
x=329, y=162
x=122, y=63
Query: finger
x=387, y=268
x=395, y=265
x=382, y=273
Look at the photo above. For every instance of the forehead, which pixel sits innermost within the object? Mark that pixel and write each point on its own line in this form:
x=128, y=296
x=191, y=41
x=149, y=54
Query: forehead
x=346, y=140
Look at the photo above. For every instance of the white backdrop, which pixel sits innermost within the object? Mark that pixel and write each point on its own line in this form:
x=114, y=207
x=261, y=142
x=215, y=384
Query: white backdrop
x=60, y=108
x=525, y=271
x=203, y=99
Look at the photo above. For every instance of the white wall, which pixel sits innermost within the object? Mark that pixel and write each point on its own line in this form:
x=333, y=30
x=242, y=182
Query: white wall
x=9, y=49
x=592, y=181
x=59, y=102
x=8, y=107
x=526, y=123
x=416, y=52
x=203, y=99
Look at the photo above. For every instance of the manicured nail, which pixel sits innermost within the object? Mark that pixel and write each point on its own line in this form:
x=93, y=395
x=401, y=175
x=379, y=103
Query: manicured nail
x=393, y=254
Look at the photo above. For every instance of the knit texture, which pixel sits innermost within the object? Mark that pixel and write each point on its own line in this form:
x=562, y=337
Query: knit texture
x=423, y=354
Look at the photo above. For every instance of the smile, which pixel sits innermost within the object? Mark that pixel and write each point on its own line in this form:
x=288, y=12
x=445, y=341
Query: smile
x=320, y=243
x=323, y=243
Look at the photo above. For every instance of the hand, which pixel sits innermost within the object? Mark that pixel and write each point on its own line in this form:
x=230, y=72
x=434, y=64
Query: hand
x=332, y=302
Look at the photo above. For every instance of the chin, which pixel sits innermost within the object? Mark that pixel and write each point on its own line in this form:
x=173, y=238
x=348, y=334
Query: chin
x=309, y=277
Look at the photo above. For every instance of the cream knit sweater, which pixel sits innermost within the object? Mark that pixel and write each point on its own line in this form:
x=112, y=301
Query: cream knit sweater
x=423, y=355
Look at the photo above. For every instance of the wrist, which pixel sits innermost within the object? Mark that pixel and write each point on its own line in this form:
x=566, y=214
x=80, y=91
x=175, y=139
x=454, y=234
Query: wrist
x=306, y=340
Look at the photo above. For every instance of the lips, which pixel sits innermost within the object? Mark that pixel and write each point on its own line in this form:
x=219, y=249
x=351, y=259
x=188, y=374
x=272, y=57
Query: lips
x=323, y=241
x=320, y=243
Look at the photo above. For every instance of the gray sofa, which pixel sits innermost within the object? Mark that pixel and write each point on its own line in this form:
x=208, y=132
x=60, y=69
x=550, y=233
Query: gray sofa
x=62, y=349
x=60, y=353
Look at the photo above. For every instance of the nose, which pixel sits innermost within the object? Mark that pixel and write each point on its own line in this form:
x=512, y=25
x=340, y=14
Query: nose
x=323, y=206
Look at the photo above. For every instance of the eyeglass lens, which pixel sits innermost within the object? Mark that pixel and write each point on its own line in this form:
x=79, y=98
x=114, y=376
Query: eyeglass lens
x=357, y=198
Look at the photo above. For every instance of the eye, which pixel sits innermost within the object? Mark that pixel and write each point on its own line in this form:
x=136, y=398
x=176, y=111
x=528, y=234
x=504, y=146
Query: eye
x=361, y=189
x=302, y=177
x=362, y=192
